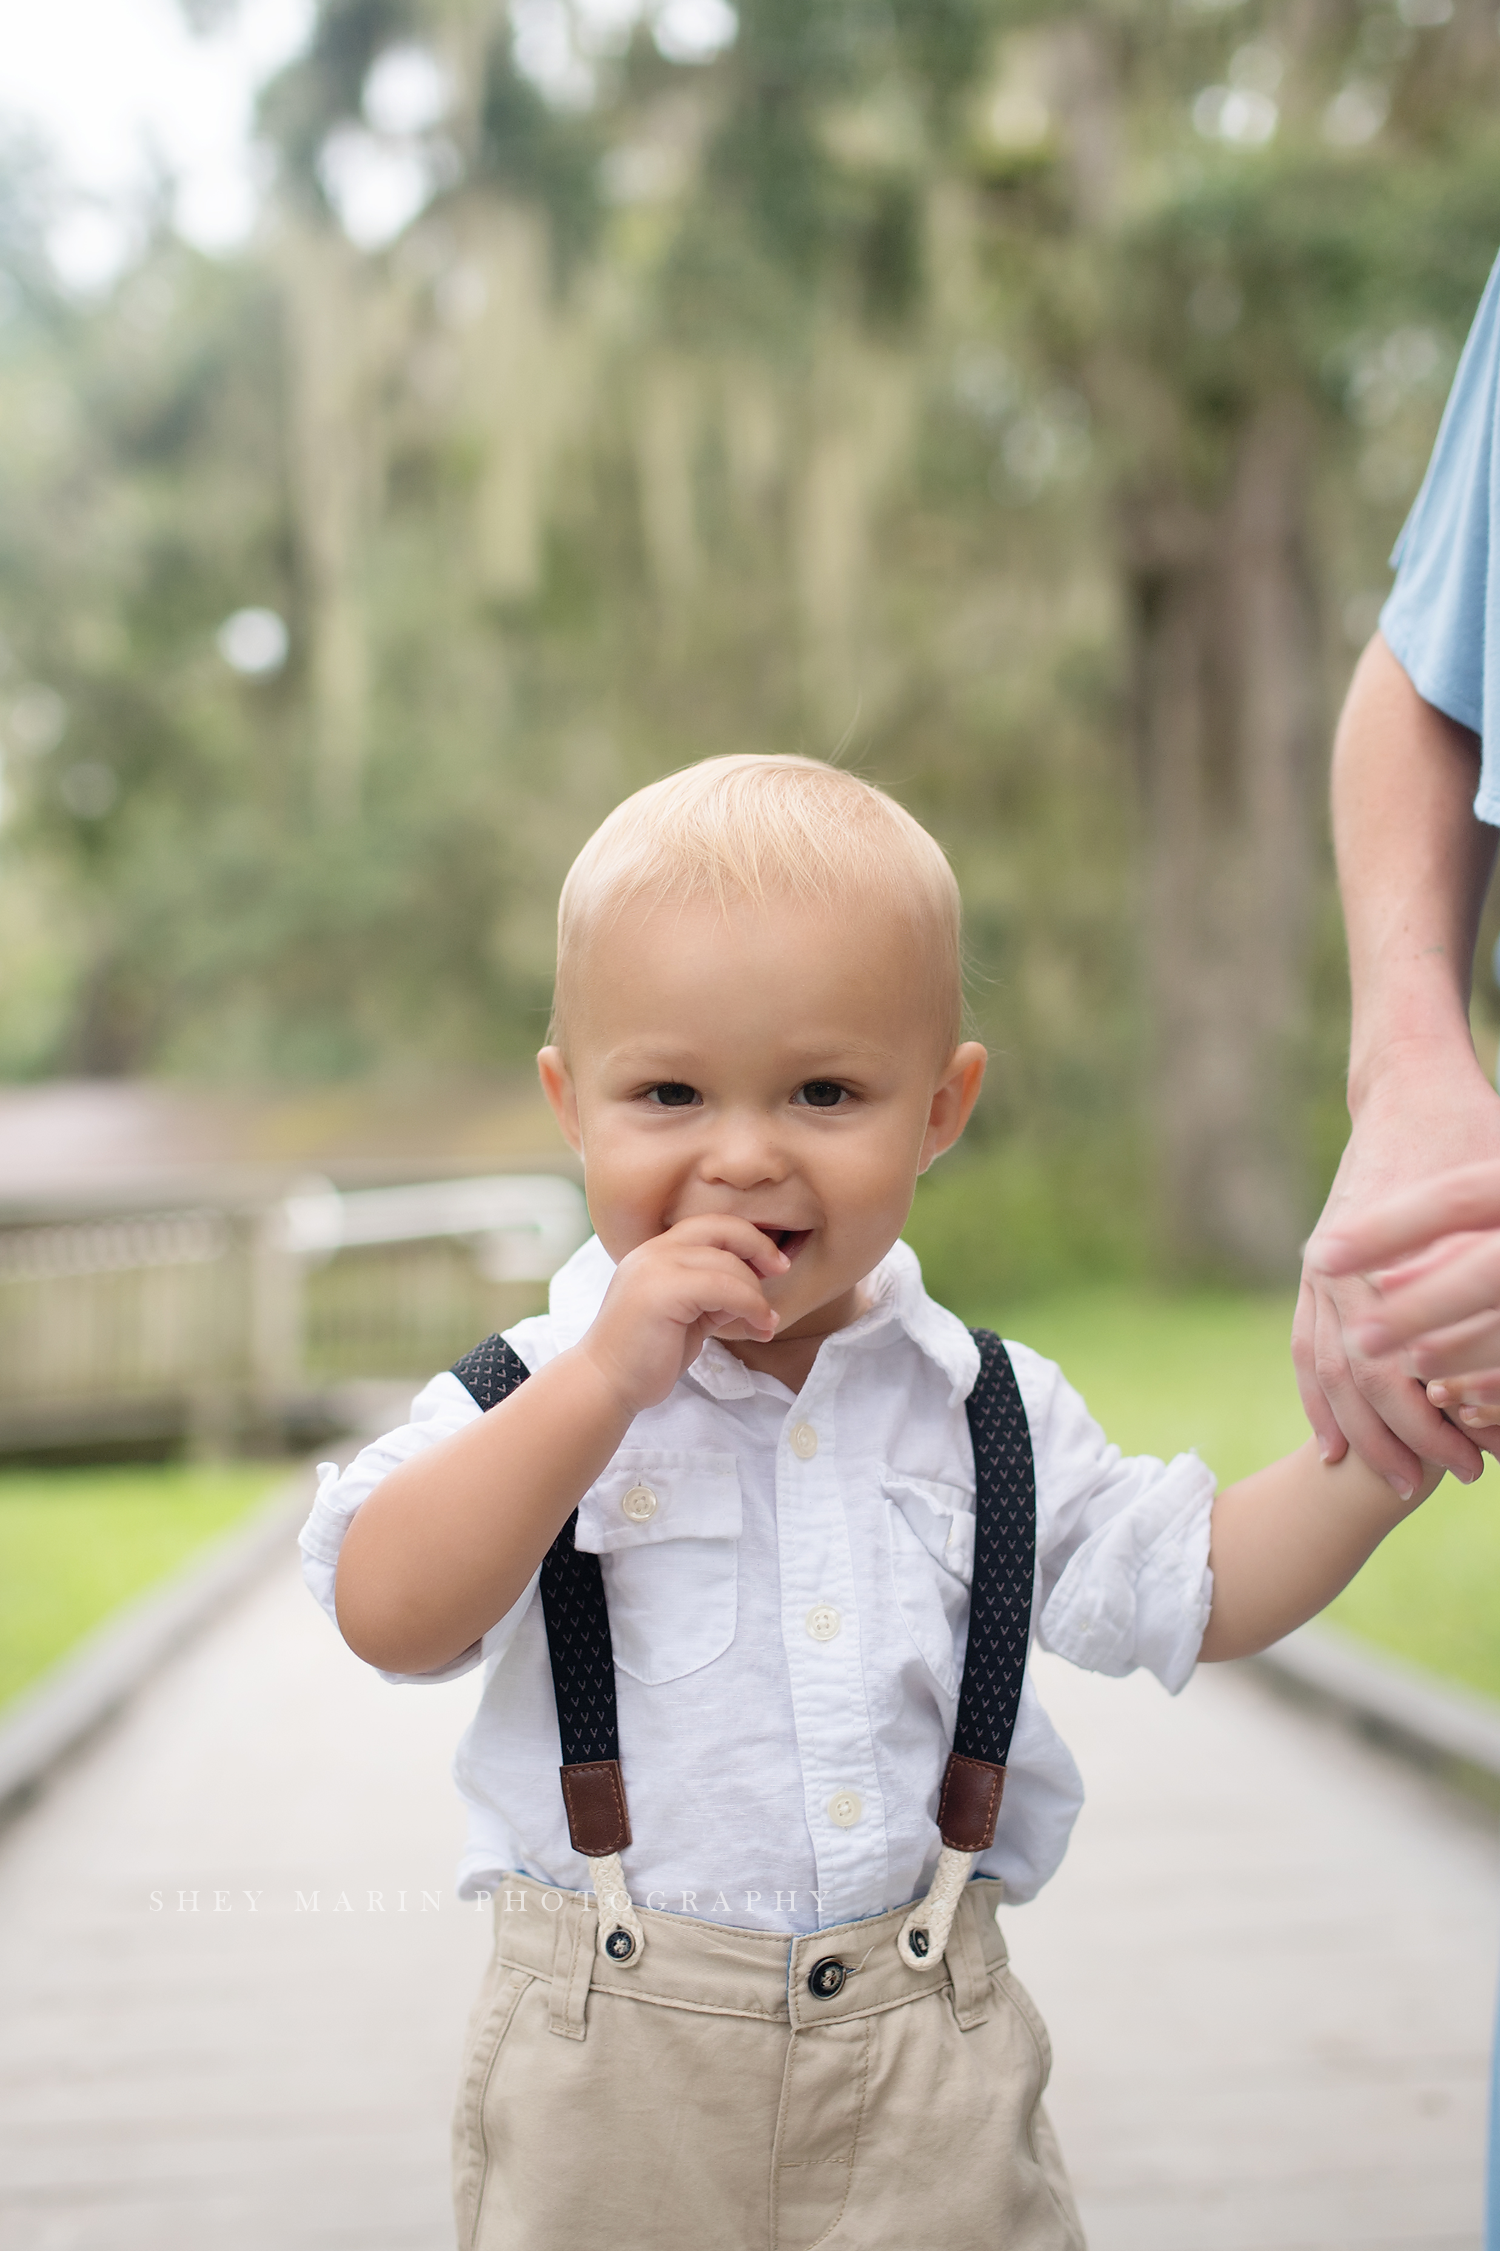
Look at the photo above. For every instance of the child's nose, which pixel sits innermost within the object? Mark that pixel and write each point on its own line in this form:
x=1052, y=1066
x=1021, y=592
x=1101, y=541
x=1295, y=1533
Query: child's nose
x=744, y=1155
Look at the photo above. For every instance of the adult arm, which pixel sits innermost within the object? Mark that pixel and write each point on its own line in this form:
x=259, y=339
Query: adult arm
x=1414, y=864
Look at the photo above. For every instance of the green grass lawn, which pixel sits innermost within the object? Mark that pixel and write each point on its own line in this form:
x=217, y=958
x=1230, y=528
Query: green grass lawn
x=1166, y=1372
x=75, y=1544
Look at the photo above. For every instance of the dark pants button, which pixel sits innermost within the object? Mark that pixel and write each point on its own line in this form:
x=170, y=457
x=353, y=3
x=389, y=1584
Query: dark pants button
x=826, y=1978
x=920, y=1943
x=619, y=1946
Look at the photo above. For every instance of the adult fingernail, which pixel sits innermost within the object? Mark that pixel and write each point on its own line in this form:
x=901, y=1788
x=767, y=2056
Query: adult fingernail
x=1403, y=1492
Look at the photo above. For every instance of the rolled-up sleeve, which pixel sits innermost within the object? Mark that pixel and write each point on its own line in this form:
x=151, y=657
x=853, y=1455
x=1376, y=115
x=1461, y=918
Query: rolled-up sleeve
x=437, y=1412
x=1122, y=1540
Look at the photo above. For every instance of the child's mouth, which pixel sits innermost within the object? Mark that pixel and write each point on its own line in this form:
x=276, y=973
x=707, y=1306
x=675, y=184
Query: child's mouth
x=788, y=1240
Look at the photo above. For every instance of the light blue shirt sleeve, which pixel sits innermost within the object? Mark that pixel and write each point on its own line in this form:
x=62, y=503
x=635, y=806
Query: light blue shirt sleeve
x=1442, y=621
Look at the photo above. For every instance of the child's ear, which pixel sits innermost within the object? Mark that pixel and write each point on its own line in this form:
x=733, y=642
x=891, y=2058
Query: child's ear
x=557, y=1085
x=953, y=1100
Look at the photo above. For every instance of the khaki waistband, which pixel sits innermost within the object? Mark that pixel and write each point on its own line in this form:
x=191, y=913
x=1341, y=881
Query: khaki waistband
x=690, y=1964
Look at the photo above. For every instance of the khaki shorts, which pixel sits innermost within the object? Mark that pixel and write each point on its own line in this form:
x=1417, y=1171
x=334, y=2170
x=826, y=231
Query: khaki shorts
x=708, y=2100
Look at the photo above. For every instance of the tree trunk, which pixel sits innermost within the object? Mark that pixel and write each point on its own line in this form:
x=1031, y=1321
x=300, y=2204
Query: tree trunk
x=334, y=372
x=1226, y=712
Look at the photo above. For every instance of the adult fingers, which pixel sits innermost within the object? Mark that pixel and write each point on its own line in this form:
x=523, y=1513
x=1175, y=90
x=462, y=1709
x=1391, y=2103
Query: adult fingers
x=1332, y=1444
x=1467, y=1197
x=1467, y=1348
x=1383, y=1412
x=1447, y=1292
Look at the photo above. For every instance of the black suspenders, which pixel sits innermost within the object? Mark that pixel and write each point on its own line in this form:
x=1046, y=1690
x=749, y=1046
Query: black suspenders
x=583, y=1671
x=578, y=1643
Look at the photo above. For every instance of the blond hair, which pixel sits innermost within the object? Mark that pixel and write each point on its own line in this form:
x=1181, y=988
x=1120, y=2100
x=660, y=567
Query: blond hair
x=757, y=827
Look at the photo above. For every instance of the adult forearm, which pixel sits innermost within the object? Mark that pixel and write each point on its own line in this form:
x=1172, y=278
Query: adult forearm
x=1287, y=1540
x=445, y=1545
x=1414, y=864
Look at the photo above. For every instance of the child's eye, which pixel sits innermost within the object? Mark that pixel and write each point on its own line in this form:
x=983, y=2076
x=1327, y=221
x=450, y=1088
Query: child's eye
x=672, y=1095
x=821, y=1094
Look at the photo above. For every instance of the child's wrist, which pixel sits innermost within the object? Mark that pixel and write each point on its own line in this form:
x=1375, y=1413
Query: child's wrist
x=608, y=1383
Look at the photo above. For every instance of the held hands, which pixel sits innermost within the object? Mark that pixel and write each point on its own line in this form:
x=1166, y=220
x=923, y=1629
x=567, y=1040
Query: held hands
x=1357, y=1387
x=1440, y=1308
x=700, y=1279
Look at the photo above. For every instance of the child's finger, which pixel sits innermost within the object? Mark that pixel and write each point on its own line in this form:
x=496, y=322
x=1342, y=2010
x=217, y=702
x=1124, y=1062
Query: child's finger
x=1479, y=1389
x=723, y=1231
x=718, y=1290
x=740, y=1330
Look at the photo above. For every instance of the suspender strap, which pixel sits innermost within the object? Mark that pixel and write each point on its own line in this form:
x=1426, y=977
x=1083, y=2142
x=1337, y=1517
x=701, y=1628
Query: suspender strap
x=582, y=1657
x=578, y=1644
x=994, y=1668
x=999, y=1606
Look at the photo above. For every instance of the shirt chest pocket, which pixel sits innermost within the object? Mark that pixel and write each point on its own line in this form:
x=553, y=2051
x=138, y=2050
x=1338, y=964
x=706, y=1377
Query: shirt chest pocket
x=666, y=1528
x=932, y=1567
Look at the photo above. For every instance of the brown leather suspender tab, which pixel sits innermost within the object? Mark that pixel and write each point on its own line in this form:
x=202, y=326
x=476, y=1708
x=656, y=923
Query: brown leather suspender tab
x=598, y=1821
x=970, y=1804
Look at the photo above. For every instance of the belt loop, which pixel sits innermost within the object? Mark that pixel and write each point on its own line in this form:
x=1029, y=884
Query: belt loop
x=966, y=1967
x=572, y=1968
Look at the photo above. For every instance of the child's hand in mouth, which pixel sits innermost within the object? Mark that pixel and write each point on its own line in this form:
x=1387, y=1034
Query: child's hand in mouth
x=788, y=1240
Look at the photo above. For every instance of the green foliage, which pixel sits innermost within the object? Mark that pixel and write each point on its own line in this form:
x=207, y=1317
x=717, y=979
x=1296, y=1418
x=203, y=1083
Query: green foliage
x=1211, y=1371
x=1002, y=1225
x=1166, y=1372
x=1431, y=1592
x=323, y=88
x=849, y=249
x=75, y=1544
x=527, y=149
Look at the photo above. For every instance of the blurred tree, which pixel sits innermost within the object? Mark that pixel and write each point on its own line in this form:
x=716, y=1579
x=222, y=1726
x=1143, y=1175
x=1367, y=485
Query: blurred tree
x=973, y=385
x=1229, y=230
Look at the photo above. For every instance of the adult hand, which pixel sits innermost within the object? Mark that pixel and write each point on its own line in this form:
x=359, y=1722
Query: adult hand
x=1441, y=1306
x=1355, y=1394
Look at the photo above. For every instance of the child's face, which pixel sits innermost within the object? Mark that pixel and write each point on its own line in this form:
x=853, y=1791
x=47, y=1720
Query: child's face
x=769, y=1062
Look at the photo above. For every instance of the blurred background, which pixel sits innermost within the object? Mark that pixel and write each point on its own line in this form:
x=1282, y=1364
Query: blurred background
x=422, y=422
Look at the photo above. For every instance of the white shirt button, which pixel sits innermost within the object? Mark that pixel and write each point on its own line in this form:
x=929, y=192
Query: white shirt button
x=845, y=1808
x=639, y=1504
x=804, y=1442
x=823, y=1621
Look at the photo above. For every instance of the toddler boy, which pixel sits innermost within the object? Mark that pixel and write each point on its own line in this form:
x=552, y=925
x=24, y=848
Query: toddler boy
x=748, y=1990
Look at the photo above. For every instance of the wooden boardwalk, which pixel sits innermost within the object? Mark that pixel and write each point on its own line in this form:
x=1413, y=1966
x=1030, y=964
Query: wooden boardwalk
x=1268, y=1968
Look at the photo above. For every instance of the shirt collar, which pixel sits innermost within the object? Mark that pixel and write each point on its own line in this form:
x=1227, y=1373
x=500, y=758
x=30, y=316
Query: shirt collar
x=896, y=1296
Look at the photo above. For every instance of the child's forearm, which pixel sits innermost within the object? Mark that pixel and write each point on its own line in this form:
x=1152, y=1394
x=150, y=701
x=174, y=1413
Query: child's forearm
x=446, y=1544
x=1287, y=1540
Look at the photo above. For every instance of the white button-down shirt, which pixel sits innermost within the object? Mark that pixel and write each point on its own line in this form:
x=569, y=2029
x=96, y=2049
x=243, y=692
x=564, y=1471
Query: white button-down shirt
x=788, y=1578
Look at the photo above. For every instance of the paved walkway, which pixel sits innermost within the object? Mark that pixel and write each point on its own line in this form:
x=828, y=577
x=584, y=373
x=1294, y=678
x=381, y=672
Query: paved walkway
x=1267, y=1967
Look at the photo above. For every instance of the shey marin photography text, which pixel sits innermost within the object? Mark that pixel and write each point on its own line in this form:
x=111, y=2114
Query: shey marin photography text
x=708, y=1903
